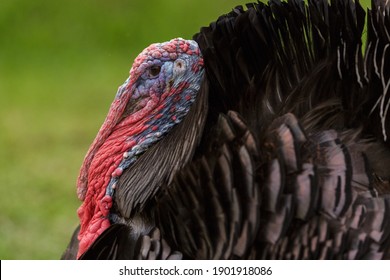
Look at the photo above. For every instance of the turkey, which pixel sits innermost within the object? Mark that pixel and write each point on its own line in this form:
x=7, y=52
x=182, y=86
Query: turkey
x=265, y=137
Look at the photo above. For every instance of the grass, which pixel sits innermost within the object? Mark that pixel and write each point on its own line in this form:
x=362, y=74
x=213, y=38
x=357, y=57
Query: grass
x=60, y=66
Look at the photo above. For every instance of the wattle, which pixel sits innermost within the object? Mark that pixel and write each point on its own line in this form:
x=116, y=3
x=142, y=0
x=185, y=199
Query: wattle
x=94, y=211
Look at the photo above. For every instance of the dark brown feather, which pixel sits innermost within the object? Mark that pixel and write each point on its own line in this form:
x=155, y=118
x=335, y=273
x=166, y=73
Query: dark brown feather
x=218, y=208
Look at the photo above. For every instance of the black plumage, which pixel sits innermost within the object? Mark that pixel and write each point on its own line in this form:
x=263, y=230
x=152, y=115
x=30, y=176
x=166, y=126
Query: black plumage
x=285, y=154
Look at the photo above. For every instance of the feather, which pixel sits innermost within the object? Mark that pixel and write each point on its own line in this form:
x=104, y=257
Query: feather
x=228, y=203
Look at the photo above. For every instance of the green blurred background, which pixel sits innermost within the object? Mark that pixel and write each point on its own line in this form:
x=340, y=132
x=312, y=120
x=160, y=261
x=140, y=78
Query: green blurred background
x=61, y=63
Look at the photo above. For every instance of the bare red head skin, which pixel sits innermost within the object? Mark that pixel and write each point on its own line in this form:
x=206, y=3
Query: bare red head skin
x=163, y=83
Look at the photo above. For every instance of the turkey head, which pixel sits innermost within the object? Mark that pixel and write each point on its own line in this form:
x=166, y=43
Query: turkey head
x=163, y=85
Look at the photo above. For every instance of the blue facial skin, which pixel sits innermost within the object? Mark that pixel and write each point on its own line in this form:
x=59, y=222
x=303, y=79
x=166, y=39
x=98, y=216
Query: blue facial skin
x=161, y=78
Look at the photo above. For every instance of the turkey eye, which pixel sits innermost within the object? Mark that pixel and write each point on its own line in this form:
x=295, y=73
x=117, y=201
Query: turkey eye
x=154, y=71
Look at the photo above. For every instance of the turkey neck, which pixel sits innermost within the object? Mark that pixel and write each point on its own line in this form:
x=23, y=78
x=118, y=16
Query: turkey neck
x=103, y=173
